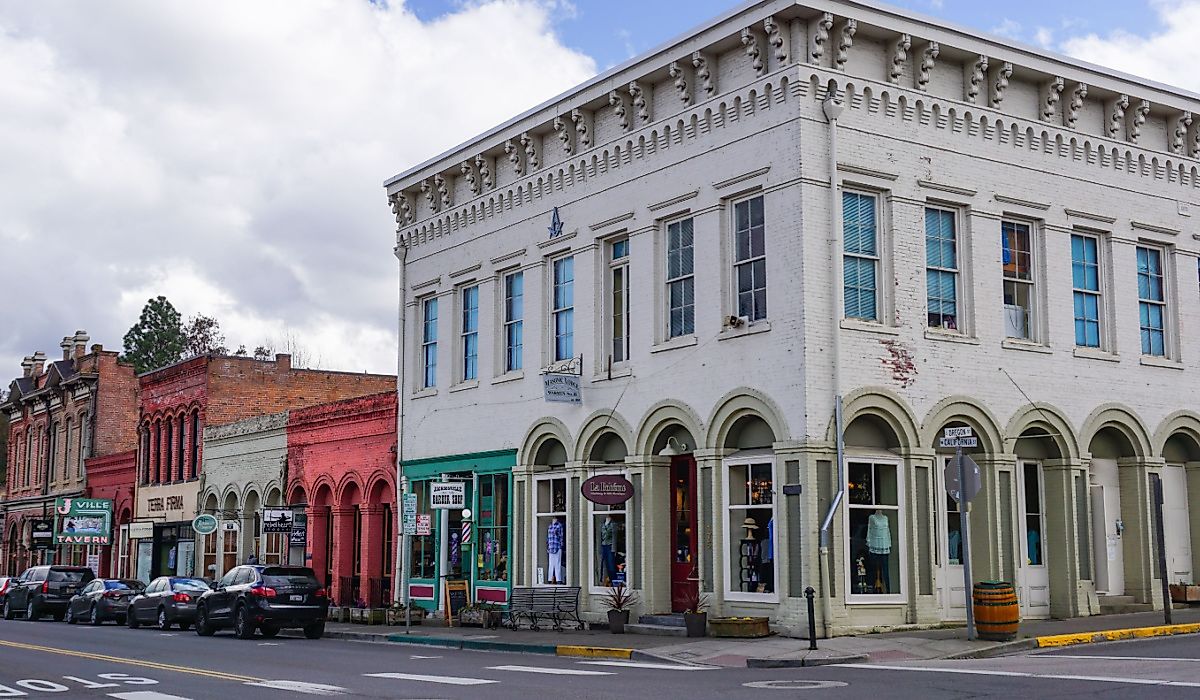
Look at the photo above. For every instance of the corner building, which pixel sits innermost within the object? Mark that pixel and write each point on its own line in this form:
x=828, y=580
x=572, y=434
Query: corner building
x=801, y=206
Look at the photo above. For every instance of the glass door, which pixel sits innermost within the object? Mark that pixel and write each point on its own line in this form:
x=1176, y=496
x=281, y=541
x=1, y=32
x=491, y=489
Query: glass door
x=684, y=577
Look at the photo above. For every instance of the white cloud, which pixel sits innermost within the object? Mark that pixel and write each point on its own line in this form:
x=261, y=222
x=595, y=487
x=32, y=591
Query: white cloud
x=230, y=155
x=1168, y=55
x=1044, y=37
x=1007, y=28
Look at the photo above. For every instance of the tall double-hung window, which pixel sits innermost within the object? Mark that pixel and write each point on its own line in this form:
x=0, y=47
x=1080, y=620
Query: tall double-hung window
x=681, y=279
x=618, y=299
x=750, y=258
x=1152, y=301
x=1017, y=261
x=1085, y=284
x=470, y=333
x=514, y=321
x=860, y=259
x=429, y=340
x=563, y=311
x=941, y=268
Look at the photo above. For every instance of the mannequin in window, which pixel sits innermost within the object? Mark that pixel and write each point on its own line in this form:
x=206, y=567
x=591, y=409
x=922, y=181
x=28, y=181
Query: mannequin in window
x=554, y=552
x=608, y=558
x=766, y=567
x=879, y=548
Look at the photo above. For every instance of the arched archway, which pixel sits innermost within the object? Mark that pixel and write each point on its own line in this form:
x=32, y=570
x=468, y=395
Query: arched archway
x=347, y=543
x=1177, y=441
x=252, y=524
x=231, y=531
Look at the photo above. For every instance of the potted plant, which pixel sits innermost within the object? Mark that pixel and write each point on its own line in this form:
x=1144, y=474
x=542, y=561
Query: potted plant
x=471, y=616
x=619, y=600
x=695, y=614
x=491, y=614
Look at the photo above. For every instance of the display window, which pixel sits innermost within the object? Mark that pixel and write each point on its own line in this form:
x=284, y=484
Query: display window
x=550, y=531
x=610, y=546
x=874, y=534
x=423, y=547
x=492, y=528
x=750, y=527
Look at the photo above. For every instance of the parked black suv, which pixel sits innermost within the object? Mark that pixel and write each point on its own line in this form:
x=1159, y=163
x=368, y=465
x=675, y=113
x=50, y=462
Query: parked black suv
x=267, y=598
x=43, y=590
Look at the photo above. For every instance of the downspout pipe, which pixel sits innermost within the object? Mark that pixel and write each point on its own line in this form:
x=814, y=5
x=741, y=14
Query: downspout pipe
x=401, y=594
x=833, y=108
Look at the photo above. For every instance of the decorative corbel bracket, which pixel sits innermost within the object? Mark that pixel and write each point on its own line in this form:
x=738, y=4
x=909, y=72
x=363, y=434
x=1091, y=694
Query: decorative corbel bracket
x=928, y=60
x=899, y=58
x=1002, y=74
x=681, y=75
x=564, y=135
x=402, y=208
x=1115, y=109
x=1182, y=124
x=620, y=109
x=818, y=42
x=530, y=144
x=468, y=173
x=1140, y=113
x=845, y=40
x=641, y=102
x=443, y=191
x=777, y=38
x=976, y=75
x=706, y=82
x=484, y=166
x=583, y=128
x=514, y=157
x=427, y=190
x=753, y=47
x=1051, y=96
x=1078, y=95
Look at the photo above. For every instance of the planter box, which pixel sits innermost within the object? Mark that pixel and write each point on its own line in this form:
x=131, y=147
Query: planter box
x=395, y=616
x=1185, y=593
x=743, y=627
x=371, y=616
x=358, y=616
x=338, y=613
x=471, y=618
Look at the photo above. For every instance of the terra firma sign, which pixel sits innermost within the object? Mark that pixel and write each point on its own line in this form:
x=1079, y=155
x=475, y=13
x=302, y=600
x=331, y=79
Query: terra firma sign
x=82, y=521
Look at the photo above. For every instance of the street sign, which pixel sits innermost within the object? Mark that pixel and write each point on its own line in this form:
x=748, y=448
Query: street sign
x=424, y=525
x=447, y=495
x=970, y=469
x=957, y=433
x=958, y=442
x=409, y=514
x=204, y=524
x=410, y=504
x=42, y=533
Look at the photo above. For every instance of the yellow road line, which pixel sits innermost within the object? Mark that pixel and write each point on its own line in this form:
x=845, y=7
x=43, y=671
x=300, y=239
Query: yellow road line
x=133, y=662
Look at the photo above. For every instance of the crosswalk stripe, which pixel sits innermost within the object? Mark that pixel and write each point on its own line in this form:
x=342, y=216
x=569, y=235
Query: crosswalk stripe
x=445, y=680
x=1023, y=674
x=145, y=695
x=302, y=687
x=551, y=671
x=643, y=664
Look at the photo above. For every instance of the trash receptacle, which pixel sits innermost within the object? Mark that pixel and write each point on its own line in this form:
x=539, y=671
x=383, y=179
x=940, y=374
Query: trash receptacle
x=997, y=613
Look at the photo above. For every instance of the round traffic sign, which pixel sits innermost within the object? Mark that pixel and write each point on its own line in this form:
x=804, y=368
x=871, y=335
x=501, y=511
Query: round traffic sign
x=204, y=524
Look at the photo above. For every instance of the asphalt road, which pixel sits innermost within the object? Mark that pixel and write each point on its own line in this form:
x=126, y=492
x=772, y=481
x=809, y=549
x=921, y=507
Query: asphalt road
x=54, y=659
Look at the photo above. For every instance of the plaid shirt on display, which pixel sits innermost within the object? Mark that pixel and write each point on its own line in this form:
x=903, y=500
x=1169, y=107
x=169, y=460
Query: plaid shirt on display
x=554, y=537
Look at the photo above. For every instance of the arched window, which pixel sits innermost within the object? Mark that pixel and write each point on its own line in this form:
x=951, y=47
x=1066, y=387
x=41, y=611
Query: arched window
x=168, y=444
x=179, y=451
x=195, y=461
x=156, y=447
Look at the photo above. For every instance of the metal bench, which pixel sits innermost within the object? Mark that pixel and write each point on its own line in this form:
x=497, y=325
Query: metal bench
x=557, y=604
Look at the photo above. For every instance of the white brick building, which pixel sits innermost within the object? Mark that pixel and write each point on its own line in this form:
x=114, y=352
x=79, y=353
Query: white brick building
x=1010, y=245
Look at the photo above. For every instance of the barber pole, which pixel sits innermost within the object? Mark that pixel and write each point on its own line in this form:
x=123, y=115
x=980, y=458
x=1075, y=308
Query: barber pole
x=466, y=532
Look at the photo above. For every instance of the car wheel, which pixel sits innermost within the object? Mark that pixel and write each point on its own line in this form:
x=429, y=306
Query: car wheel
x=203, y=628
x=314, y=630
x=268, y=630
x=8, y=610
x=243, y=626
x=32, y=612
x=94, y=616
x=70, y=615
x=163, y=623
x=131, y=620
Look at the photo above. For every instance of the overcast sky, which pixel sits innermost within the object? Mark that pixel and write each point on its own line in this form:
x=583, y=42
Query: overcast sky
x=230, y=154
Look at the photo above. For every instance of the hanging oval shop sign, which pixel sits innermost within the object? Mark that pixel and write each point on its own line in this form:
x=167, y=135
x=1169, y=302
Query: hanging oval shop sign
x=607, y=489
x=204, y=524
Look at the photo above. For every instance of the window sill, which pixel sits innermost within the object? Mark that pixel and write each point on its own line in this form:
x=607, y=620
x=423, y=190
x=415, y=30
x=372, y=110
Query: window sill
x=423, y=393
x=509, y=377
x=861, y=600
x=744, y=597
x=752, y=328
x=624, y=370
x=683, y=341
x=1164, y=362
x=463, y=386
x=945, y=336
x=854, y=324
x=1025, y=345
x=1096, y=354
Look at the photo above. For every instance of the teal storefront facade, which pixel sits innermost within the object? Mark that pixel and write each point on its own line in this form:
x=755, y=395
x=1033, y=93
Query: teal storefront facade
x=484, y=562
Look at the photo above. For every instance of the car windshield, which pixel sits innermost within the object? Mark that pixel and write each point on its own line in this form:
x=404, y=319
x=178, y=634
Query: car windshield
x=290, y=576
x=68, y=575
x=188, y=584
x=123, y=585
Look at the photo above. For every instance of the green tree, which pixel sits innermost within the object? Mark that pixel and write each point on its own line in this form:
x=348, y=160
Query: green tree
x=203, y=335
x=157, y=339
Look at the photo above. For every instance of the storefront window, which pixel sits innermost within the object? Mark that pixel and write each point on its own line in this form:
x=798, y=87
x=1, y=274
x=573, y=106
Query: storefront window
x=953, y=529
x=1034, y=554
x=751, y=525
x=873, y=514
x=550, y=516
x=491, y=526
x=210, y=554
x=424, y=547
x=609, y=545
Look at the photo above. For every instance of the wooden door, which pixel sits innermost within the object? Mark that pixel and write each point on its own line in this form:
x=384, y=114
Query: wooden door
x=684, y=576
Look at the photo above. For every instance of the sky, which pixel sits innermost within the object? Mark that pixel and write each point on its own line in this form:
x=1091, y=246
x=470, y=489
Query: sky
x=230, y=154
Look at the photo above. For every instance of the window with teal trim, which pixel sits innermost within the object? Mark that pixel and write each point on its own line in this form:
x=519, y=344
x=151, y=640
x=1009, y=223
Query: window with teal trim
x=424, y=547
x=860, y=263
x=492, y=528
x=1152, y=302
x=941, y=268
x=1085, y=281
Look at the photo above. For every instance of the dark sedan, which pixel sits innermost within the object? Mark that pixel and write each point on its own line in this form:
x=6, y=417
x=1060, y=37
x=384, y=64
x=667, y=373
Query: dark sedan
x=168, y=600
x=266, y=598
x=102, y=599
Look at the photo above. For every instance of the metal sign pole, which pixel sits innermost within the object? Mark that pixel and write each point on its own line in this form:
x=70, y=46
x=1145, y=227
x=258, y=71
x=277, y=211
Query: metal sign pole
x=1156, y=482
x=964, y=518
x=406, y=549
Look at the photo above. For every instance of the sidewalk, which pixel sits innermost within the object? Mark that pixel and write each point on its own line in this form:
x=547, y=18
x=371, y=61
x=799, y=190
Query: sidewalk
x=774, y=652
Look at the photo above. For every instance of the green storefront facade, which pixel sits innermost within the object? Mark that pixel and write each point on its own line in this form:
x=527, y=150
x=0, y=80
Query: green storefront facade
x=441, y=555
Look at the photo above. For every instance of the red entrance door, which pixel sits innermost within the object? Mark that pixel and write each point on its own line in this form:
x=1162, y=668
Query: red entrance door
x=684, y=577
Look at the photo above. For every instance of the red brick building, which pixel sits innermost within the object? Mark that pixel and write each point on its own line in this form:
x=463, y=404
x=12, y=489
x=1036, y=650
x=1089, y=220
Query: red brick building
x=112, y=477
x=177, y=402
x=61, y=415
x=342, y=464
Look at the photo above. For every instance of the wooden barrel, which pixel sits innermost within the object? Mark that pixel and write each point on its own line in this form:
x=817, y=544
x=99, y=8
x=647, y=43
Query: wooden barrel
x=996, y=611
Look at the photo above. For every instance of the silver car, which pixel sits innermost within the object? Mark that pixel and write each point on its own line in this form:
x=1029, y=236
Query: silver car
x=102, y=599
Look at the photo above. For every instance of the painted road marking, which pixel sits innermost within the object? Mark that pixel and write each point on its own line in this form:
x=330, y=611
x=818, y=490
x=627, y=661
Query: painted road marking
x=641, y=664
x=302, y=687
x=796, y=685
x=1020, y=674
x=551, y=671
x=145, y=695
x=446, y=680
x=418, y=656
x=131, y=662
x=1050, y=657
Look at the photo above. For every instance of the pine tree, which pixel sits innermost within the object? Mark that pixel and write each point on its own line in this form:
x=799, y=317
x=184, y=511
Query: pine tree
x=157, y=339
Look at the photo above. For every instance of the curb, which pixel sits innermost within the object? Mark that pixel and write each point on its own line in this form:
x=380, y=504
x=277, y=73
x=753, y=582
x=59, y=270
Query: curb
x=512, y=647
x=1066, y=640
x=1001, y=649
x=805, y=662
